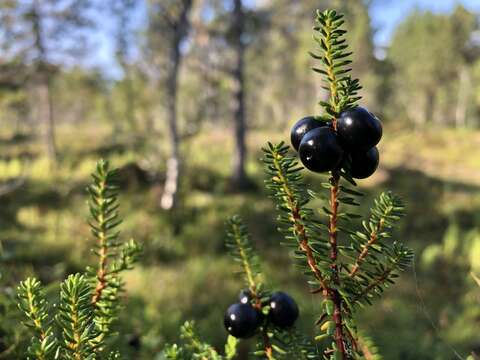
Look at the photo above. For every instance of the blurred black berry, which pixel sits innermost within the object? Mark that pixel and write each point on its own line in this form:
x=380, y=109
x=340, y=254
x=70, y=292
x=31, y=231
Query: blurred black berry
x=283, y=309
x=242, y=320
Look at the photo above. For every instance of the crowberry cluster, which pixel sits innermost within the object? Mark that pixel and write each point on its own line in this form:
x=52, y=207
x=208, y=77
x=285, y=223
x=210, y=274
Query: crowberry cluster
x=347, y=143
x=242, y=319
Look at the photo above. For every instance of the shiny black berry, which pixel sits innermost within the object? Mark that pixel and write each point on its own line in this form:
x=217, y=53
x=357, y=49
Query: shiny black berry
x=320, y=150
x=245, y=296
x=359, y=129
x=364, y=164
x=302, y=127
x=242, y=320
x=283, y=309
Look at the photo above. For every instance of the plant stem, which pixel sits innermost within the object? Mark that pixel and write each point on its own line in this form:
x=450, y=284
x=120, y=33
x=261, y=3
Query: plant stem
x=245, y=263
x=102, y=263
x=253, y=288
x=333, y=293
x=373, y=238
x=36, y=321
x=267, y=346
x=299, y=228
x=74, y=344
x=376, y=282
x=332, y=79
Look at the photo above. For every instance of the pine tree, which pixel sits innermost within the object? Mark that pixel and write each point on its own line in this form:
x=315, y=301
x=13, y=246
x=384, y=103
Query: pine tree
x=35, y=32
x=169, y=27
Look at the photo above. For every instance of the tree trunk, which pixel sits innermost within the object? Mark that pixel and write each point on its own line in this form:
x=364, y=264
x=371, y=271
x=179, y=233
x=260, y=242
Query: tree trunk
x=181, y=27
x=128, y=95
x=239, y=176
x=462, y=100
x=47, y=118
x=44, y=84
x=168, y=199
x=425, y=116
x=108, y=107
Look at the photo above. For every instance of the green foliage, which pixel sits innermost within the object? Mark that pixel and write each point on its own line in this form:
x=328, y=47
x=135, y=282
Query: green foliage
x=114, y=256
x=47, y=209
x=75, y=318
x=296, y=220
x=369, y=264
x=368, y=347
x=287, y=344
x=433, y=73
x=241, y=250
x=335, y=58
x=345, y=274
x=89, y=302
x=374, y=273
x=31, y=301
x=193, y=347
x=272, y=342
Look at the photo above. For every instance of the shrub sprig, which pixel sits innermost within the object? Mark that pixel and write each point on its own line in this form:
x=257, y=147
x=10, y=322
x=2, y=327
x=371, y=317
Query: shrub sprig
x=78, y=326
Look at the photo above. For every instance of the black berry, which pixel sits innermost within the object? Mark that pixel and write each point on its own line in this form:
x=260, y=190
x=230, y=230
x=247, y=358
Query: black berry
x=364, y=164
x=245, y=296
x=359, y=129
x=320, y=150
x=302, y=127
x=242, y=320
x=283, y=309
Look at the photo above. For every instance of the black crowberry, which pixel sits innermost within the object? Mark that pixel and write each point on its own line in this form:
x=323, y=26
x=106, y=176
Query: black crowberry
x=302, y=127
x=359, y=129
x=283, y=309
x=245, y=296
x=320, y=150
x=242, y=320
x=364, y=164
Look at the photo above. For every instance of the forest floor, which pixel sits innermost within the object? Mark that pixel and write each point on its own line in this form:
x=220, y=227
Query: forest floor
x=186, y=274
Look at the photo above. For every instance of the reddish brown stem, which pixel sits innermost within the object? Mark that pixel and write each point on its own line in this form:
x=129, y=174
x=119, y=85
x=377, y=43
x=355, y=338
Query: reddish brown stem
x=373, y=238
x=300, y=230
x=267, y=346
x=333, y=293
x=370, y=287
x=365, y=350
x=102, y=263
x=101, y=277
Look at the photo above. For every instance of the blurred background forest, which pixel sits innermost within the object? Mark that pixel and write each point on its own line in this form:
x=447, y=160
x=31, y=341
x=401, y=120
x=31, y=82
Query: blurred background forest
x=181, y=95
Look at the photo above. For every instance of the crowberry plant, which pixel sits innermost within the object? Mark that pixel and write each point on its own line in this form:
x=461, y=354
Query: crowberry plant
x=346, y=272
x=80, y=324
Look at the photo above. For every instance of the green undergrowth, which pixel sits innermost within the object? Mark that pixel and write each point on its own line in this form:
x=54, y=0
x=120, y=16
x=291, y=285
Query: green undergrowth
x=185, y=272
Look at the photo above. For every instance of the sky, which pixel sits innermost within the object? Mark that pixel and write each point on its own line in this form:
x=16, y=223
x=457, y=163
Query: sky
x=387, y=14
x=385, y=17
